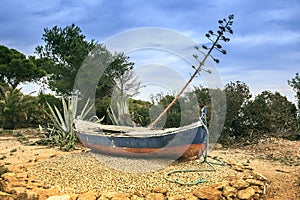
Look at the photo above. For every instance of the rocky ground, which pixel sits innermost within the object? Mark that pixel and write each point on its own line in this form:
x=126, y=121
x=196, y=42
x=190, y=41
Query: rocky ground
x=269, y=169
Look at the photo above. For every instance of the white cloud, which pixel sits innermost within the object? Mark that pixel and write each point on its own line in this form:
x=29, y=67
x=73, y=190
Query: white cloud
x=267, y=38
x=266, y=33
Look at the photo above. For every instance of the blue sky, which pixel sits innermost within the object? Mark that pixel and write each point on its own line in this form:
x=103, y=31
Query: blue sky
x=264, y=51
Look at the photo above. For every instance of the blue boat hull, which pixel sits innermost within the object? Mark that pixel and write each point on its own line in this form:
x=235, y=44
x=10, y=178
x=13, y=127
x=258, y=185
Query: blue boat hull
x=188, y=142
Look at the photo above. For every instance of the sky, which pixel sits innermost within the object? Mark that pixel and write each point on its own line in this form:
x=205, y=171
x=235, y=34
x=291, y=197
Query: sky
x=264, y=51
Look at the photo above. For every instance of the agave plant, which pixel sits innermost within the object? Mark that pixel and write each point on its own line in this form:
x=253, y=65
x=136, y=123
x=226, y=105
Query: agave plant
x=63, y=122
x=120, y=115
x=62, y=132
x=119, y=110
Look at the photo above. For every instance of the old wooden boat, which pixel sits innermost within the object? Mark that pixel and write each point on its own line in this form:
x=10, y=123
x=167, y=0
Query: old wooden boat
x=187, y=141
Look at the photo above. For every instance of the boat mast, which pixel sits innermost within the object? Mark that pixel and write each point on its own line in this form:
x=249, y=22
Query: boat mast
x=225, y=26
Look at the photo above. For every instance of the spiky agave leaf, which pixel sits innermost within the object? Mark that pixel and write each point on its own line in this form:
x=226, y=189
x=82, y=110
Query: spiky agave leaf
x=73, y=104
x=56, y=117
x=112, y=116
x=85, y=111
x=70, y=110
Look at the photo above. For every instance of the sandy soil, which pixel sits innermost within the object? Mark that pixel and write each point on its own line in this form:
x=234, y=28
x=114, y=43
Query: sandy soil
x=277, y=159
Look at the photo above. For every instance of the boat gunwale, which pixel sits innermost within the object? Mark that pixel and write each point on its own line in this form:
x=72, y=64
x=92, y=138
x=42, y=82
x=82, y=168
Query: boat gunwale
x=135, y=133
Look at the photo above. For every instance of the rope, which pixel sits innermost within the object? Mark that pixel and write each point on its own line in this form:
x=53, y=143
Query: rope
x=204, y=155
x=200, y=180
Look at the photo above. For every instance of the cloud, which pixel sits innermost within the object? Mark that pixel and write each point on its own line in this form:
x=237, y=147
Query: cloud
x=266, y=39
x=158, y=79
x=277, y=39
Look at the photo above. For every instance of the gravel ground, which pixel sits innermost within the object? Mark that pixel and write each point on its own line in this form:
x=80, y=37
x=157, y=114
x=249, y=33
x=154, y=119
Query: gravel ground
x=79, y=172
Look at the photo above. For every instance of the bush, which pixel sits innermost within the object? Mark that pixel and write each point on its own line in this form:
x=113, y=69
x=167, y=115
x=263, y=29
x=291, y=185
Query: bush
x=271, y=113
x=15, y=108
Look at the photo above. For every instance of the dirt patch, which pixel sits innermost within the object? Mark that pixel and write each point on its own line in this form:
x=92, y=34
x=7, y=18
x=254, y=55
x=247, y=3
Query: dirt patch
x=16, y=148
x=277, y=159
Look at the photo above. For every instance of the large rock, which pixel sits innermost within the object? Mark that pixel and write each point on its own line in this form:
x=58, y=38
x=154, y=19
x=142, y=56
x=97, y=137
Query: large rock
x=116, y=196
x=135, y=197
x=107, y=195
x=245, y=194
x=220, y=185
x=255, y=182
x=5, y=186
x=155, y=196
x=17, y=168
x=138, y=193
x=229, y=192
x=239, y=184
x=160, y=190
x=120, y=196
x=257, y=189
x=183, y=197
x=62, y=197
x=4, y=195
x=9, y=177
x=87, y=196
x=18, y=183
x=21, y=175
x=74, y=196
x=46, y=193
x=19, y=190
x=32, y=194
x=208, y=193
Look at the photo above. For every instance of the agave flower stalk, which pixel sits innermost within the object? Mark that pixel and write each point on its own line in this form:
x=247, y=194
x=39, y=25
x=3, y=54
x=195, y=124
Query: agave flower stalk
x=224, y=26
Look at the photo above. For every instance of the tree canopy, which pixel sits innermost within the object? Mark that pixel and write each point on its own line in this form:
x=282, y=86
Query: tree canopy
x=66, y=48
x=271, y=113
x=237, y=96
x=295, y=84
x=16, y=68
